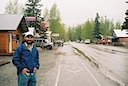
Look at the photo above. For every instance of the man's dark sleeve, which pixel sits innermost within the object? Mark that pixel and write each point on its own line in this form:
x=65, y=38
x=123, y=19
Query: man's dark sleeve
x=16, y=59
x=37, y=62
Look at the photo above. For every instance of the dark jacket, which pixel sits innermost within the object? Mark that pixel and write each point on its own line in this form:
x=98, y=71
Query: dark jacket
x=24, y=58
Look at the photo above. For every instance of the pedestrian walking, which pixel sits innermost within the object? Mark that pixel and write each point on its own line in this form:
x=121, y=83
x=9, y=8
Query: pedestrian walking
x=26, y=59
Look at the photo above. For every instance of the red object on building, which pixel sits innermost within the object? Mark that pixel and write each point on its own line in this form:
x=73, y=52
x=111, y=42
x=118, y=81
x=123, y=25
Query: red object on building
x=30, y=18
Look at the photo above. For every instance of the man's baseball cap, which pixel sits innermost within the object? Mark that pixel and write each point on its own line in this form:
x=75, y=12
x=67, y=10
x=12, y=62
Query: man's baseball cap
x=29, y=34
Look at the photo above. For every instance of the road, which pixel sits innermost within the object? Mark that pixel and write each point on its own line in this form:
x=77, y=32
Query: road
x=61, y=67
x=74, y=70
x=113, y=61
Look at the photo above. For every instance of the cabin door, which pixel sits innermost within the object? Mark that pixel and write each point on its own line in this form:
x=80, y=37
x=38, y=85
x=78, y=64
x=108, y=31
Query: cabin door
x=10, y=42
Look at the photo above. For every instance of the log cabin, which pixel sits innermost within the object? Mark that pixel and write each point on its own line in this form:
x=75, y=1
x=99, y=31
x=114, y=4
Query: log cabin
x=12, y=27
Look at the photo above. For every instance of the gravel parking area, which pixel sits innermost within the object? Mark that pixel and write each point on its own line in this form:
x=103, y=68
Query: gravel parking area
x=8, y=72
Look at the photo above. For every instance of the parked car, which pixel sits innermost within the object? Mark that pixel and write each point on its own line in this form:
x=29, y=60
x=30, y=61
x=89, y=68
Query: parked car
x=44, y=43
x=59, y=43
x=48, y=45
x=87, y=41
x=78, y=41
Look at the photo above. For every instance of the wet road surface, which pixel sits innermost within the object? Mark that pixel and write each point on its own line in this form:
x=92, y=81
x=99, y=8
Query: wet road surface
x=112, y=60
x=73, y=70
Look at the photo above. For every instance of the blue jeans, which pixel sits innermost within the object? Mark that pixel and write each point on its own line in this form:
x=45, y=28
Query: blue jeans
x=26, y=80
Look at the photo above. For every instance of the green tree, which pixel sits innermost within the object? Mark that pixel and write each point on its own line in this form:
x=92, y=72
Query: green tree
x=87, y=32
x=104, y=26
x=97, y=32
x=54, y=18
x=125, y=24
x=69, y=34
x=13, y=7
x=56, y=26
x=33, y=8
x=118, y=25
x=111, y=27
x=81, y=31
x=46, y=14
x=107, y=26
x=78, y=32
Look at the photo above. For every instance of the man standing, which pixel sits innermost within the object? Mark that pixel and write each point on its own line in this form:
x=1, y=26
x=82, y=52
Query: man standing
x=26, y=59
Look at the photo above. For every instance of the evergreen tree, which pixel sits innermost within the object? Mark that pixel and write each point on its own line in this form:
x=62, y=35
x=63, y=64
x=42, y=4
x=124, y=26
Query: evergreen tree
x=125, y=24
x=97, y=33
x=33, y=8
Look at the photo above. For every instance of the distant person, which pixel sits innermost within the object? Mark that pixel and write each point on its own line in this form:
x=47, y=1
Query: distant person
x=26, y=59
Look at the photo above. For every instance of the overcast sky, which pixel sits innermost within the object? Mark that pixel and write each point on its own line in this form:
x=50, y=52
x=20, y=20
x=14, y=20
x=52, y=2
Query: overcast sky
x=78, y=11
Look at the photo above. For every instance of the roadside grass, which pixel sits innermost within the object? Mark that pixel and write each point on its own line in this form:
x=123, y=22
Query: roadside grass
x=89, y=59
